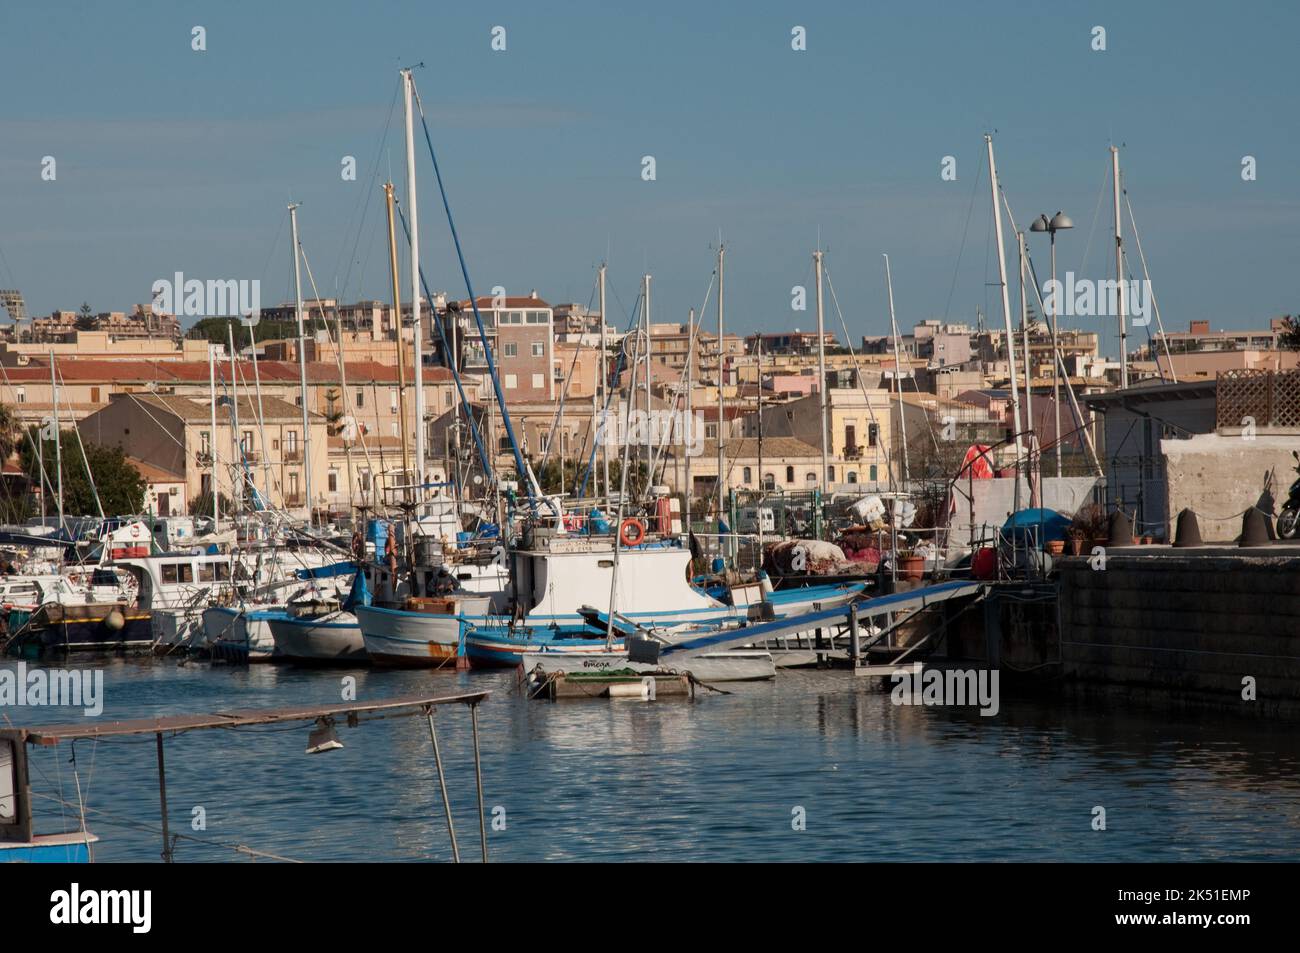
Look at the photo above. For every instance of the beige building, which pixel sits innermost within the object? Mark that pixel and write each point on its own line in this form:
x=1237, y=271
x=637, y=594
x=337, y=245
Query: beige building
x=174, y=434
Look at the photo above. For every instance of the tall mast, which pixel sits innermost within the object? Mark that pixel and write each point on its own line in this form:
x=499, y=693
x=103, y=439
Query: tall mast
x=645, y=322
x=212, y=439
x=821, y=373
x=261, y=416
x=1006, y=312
x=302, y=361
x=688, y=422
x=898, y=379
x=397, y=326
x=761, y=497
x=236, y=444
x=603, y=383
x=722, y=453
x=1119, y=273
x=58, y=444
x=408, y=82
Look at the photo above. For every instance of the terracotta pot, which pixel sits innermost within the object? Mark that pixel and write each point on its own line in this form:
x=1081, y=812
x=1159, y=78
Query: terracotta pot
x=911, y=567
x=1076, y=545
x=1056, y=546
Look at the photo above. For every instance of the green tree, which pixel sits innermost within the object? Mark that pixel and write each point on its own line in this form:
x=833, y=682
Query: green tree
x=1290, y=336
x=214, y=331
x=118, y=483
x=85, y=318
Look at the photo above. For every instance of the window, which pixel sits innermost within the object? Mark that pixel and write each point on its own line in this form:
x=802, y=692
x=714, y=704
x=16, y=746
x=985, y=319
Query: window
x=769, y=482
x=392, y=399
x=830, y=474
x=361, y=398
x=850, y=438
x=94, y=395
x=539, y=381
x=246, y=443
x=446, y=398
x=853, y=476
x=363, y=480
x=22, y=395
x=810, y=478
x=748, y=475
x=332, y=480
x=205, y=442
x=539, y=349
x=873, y=434
x=177, y=572
x=538, y=317
x=511, y=317
x=873, y=473
x=510, y=349
x=512, y=380
x=291, y=441
x=293, y=484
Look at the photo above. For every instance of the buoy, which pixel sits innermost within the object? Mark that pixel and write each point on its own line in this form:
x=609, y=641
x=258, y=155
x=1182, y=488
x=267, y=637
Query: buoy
x=632, y=532
x=114, y=621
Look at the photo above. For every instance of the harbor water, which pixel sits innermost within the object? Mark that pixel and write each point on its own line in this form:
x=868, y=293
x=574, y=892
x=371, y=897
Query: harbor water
x=813, y=766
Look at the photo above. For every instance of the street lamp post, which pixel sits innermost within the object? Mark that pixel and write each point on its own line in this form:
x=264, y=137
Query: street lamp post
x=1057, y=222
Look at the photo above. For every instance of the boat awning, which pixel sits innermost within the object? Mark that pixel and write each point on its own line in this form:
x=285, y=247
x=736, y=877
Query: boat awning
x=345, y=568
x=176, y=724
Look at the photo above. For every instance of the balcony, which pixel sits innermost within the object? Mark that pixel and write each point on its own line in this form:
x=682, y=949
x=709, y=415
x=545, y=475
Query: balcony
x=292, y=456
x=293, y=499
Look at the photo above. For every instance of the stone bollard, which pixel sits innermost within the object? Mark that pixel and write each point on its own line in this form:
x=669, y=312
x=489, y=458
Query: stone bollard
x=1188, y=531
x=1254, y=528
x=1121, y=530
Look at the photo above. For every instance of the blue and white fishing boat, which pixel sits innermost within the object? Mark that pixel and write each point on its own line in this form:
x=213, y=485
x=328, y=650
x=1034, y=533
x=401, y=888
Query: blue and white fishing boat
x=318, y=627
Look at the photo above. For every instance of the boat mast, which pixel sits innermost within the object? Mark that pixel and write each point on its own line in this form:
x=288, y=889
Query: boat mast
x=761, y=496
x=58, y=445
x=603, y=385
x=302, y=361
x=688, y=423
x=1119, y=274
x=821, y=372
x=212, y=439
x=1006, y=313
x=408, y=83
x=397, y=326
x=645, y=322
x=722, y=452
x=898, y=380
x=236, y=444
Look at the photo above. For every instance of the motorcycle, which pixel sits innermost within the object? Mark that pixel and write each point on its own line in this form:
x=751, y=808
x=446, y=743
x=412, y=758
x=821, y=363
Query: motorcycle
x=1288, y=521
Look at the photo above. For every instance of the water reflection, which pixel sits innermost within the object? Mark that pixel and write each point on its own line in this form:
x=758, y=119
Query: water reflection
x=722, y=777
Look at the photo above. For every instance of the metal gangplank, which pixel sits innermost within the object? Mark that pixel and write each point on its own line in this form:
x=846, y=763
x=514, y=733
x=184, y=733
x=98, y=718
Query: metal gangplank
x=897, y=607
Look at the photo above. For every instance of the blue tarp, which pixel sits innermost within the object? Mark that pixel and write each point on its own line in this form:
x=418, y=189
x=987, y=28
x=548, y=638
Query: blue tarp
x=1047, y=524
x=328, y=572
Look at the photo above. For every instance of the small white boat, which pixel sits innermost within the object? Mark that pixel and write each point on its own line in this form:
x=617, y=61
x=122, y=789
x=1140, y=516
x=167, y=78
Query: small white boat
x=332, y=635
x=429, y=634
x=241, y=633
x=733, y=665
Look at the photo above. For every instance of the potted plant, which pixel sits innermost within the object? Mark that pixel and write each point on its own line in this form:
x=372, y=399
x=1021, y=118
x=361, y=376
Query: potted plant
x=1055, y=546
x=910, y=565
x=1077, y=540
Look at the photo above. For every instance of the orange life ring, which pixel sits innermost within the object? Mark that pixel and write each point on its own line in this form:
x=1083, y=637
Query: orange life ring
x=633, y=528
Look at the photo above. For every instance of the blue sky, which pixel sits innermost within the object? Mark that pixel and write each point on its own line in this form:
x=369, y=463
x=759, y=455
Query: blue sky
x=169, y=159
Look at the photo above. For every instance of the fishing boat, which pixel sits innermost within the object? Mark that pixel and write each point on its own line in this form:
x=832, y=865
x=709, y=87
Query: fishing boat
x=241, y=633
x=430, y=632
x=320, y=628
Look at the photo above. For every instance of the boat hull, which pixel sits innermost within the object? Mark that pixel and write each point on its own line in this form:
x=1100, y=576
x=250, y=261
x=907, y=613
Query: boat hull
x=398, y=638
x=240, y=635
x=94, y=627
x=736, y=665
x=334, y=638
